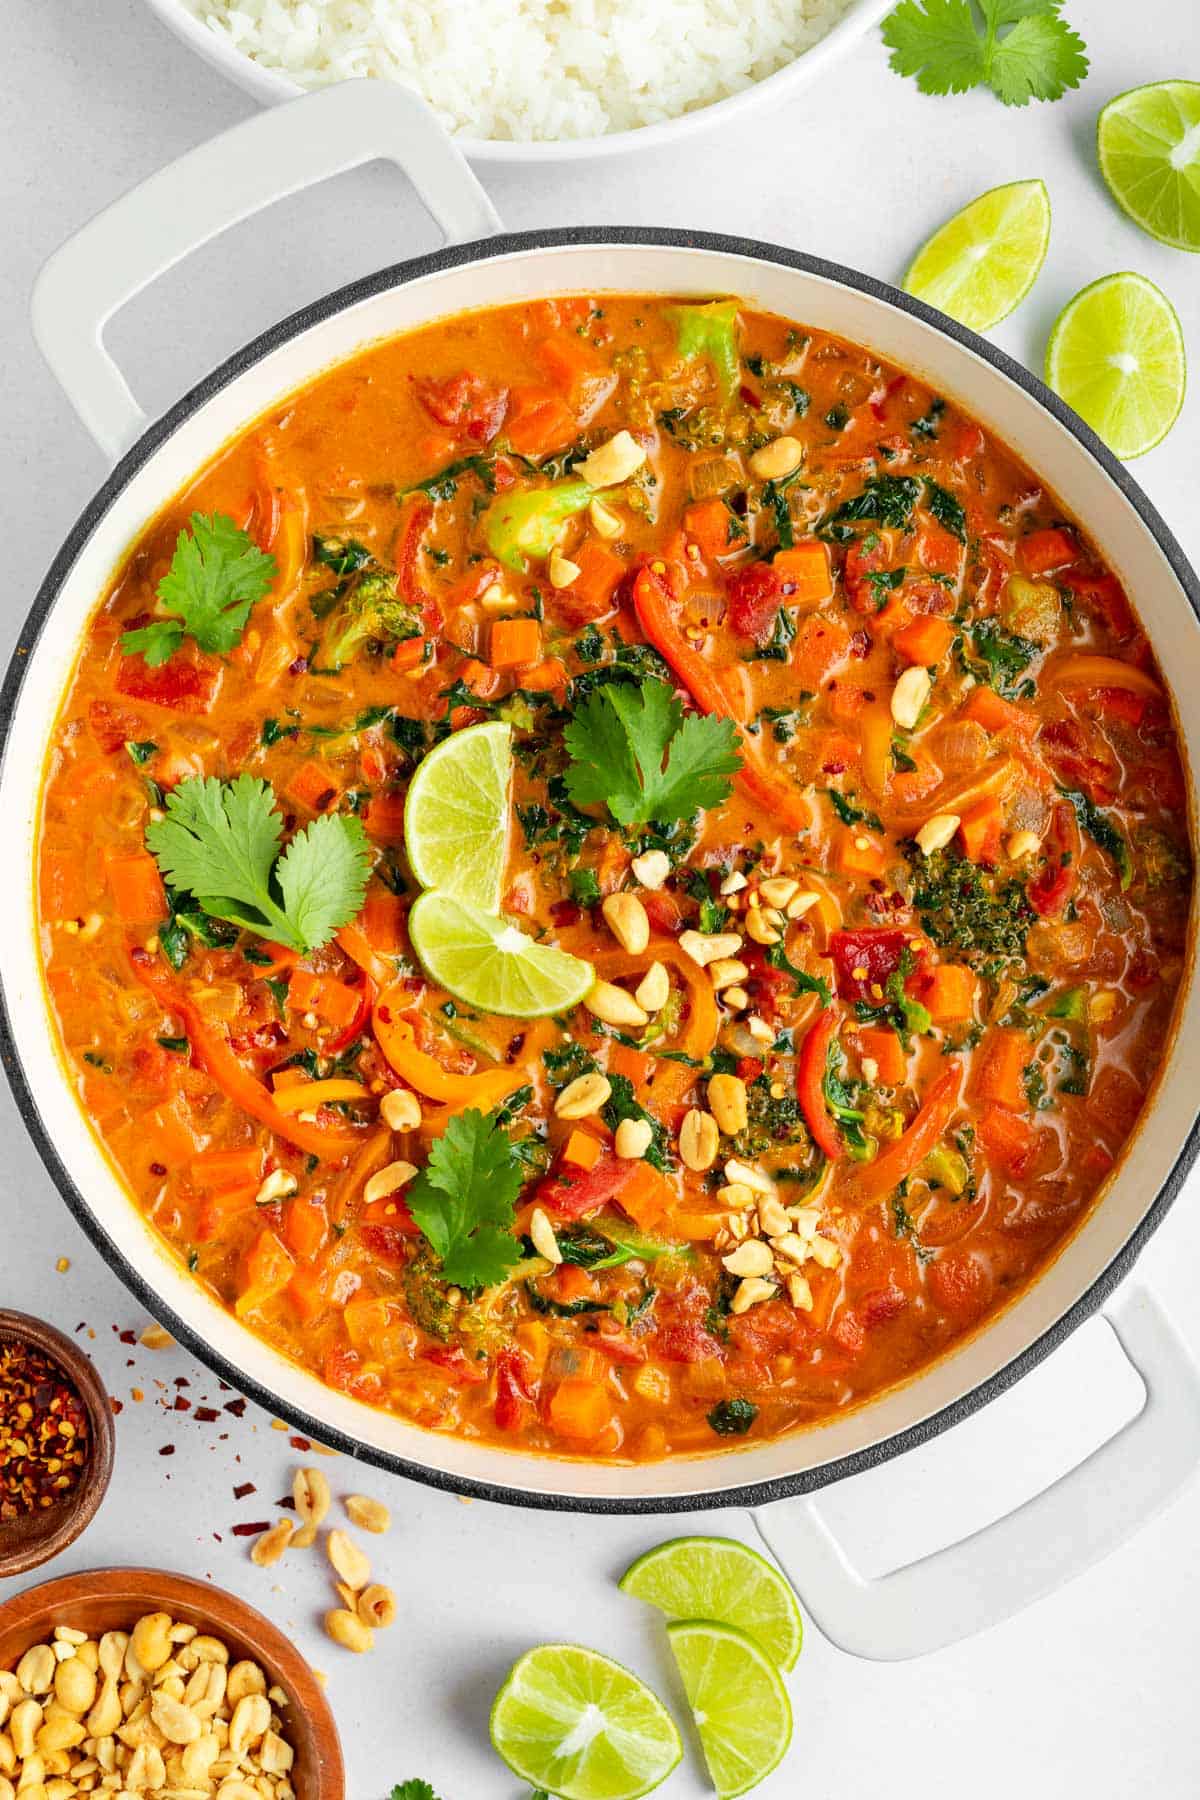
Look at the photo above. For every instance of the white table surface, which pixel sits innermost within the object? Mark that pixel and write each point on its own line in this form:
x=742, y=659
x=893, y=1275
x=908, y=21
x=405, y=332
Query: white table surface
x=1091, y=1691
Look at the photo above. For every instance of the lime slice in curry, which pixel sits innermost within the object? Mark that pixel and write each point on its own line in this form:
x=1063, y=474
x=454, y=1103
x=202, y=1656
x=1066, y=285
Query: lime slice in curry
x=720, y=1579
x=581, y=1727
x=981, y=263
x=488, y=962
x=1148, y=143
x=1116, y=355
x=741, y=1707
x=456, y=814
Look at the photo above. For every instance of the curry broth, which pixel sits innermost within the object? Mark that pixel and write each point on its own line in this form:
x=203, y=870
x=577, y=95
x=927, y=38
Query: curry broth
x=999, y=996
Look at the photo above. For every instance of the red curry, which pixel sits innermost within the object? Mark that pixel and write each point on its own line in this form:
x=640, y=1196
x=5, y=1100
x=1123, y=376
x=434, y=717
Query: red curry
x=887, y=1012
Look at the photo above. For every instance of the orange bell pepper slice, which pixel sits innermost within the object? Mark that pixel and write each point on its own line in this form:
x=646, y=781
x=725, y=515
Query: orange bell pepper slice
x=395, y=1037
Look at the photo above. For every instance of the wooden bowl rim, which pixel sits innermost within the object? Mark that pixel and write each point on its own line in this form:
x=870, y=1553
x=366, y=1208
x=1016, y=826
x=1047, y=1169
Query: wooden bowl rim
x=23, y=1546
x=312, y=1728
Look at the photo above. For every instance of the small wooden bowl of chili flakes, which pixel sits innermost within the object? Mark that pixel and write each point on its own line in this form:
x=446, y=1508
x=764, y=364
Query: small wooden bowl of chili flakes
x=56, y=1442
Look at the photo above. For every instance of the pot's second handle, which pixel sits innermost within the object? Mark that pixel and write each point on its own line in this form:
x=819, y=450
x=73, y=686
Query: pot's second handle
x=274, y=154
x=1055, y=1536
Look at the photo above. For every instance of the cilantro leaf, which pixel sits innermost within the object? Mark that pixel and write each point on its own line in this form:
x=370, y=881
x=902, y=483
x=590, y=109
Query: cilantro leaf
x=632, y=749
x=413, y=1790
x=1022, y=49
x=463, y=1200
x=220, y=841
x=216, y=575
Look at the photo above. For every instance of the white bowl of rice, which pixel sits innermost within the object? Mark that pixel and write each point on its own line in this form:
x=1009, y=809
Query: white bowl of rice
x=534, y=80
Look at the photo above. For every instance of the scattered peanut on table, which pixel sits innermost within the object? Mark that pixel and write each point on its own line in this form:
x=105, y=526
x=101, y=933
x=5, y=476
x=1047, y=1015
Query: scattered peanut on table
x=366, y=1606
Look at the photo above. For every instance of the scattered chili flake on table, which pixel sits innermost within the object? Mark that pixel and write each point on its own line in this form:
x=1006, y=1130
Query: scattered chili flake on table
x=44, y=1437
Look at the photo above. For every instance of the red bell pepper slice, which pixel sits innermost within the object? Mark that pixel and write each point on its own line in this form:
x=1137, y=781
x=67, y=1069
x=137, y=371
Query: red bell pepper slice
x=810, y=1079
x=211, y=1052
x=760, y=785
x=883, y=1176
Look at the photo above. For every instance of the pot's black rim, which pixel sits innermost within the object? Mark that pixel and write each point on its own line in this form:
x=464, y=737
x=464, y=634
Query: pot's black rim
x=455, y=256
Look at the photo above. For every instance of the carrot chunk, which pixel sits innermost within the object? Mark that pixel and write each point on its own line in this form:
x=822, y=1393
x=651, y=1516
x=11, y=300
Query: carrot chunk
x=708, y=523
x=580, y=1409
x=515, y=641
x=1000, y=1068
x=582, y=1150
x=538, y=421
x=599, y=574
x=949, y=993
x=804, y=571
x=313, y=786
x=858, y=854
x=136, y=887
x=925, y=641
x=1043, y=551
x=881, y=1045
x=979, y=831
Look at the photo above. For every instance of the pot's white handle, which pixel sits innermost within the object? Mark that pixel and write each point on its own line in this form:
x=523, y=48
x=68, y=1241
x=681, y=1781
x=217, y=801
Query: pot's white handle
x=1020, y=1558
x=276, y=153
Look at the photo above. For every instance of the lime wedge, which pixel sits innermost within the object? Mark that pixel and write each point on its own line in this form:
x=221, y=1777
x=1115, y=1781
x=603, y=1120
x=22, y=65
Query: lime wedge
x=742, y=1711
x=487, y=961
x=456, y=814
x=1148, y=142
x=720, y=1579
x=580, y=1726
x=1116, y=355
x=983, y=261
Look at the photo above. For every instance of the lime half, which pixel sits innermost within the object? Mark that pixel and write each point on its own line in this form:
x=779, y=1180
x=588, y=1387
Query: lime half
x=580, y=1726
x=1116, y=355
x=456, y=814
x=487, y=961
x=983, y=261
x=720, y=1579
x=742, y=1710
x=1148, y=142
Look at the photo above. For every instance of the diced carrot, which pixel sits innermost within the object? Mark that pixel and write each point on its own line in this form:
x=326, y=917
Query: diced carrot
x=709, y=525
x=383, y=818
x=891, y=618
x=136, y=887
x=1006, y=1136
x=1000, y=1068
x=582, y=1150
x=515, y=641
x=846, y=702
x=580, y=1409
x=534, y=1340
x=569, y=361
x=332, y=1000
x=822, y=641
x=1043, y=551
x=313, y=786
x=939, y=550
x=308, y=1291
x=304, y=1226
x=949, y=992
x=165, y=1136
x=875, y=732
x=858, y=854
x=381, y=920
x=63, y=894
x=636, y=1065
x=267, y=1271
x=805, y=573
x=925, y=641
x=216, y=1210
x=215, y=1170
x=546, y=677
x=646, y=1196
x=538, y=421
x=996, y=714
x=475, y=675
x=979, y=831
x=409, y=653
x=881, y=1045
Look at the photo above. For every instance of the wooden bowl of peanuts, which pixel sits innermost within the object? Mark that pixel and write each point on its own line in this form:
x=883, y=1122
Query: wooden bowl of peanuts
x=166, y=1683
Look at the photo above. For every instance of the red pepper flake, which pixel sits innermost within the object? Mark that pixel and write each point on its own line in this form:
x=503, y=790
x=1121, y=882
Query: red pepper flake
x=300, y=1443
x=45, y=1440
x=127, y=1337
x=205, y=1415
x=182, y=1404
x=243, y=1488
x=252, y=1528
x=236, y=1407
x=166, y=1450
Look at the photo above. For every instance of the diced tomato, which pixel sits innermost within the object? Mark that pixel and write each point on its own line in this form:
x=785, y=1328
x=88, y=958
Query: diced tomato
x=571, y=1193
x=686, y=1342
x=863, y=960
x=1053, y=886
x=467, y=1370
x=1102, y=594
x=960, y=1283
x=754, y=596
x=112, y=726
x=1073, y=757
x=882, y=1304
x=663, y=911
x=864, y=558
x=181, y=685
x=849, y=1333
x=344, y=1370
x=468, y=404
x=512, y=1390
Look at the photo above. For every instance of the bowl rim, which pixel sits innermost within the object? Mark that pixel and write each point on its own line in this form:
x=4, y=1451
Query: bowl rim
x=222, y=1610
x=456, y=256
x=272, y=86
x=70, y=1518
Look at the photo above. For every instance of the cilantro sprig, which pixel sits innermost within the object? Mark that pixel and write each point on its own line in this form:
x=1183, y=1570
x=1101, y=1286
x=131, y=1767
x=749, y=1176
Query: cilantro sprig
x=220, y=843
x=632, y=749
x=216, y=575
x=413, y=1790
x=1022, y=49
x=463, y=1200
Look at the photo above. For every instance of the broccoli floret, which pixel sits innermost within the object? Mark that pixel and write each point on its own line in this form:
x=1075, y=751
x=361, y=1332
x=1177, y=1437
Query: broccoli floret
x=428, y=1295
x=368, y=609
x=772, y=1122
x=964, y=908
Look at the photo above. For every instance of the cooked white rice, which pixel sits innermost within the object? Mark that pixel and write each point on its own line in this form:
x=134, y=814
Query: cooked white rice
x=521, y=69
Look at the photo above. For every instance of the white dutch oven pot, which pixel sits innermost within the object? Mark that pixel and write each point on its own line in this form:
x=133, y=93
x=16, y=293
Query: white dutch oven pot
x=947, y=1595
